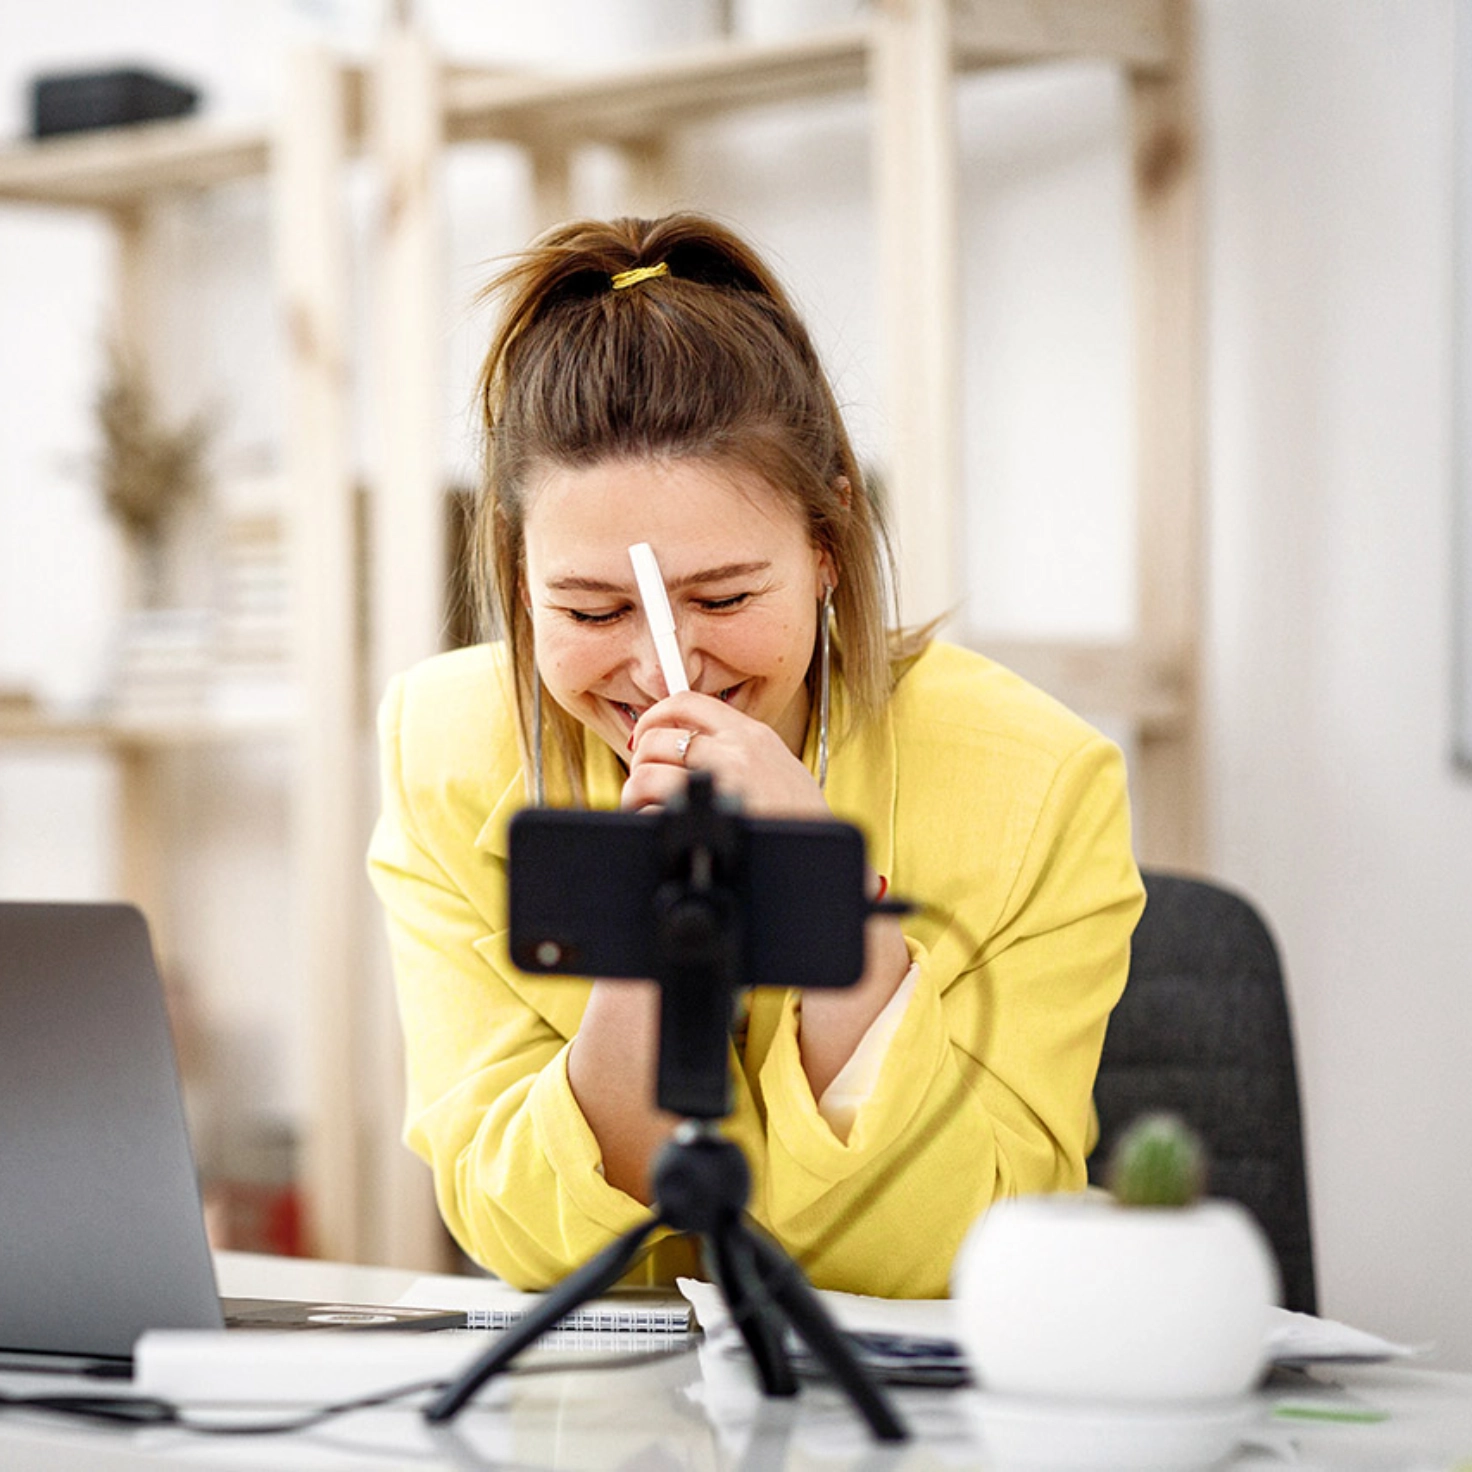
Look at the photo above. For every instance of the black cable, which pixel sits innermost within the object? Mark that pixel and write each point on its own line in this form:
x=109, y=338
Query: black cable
x=145, y=1410
x=18, y=1362
x=131, y=1410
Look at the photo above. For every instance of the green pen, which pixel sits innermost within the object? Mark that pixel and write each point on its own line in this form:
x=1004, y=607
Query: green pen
x=1316, y=1411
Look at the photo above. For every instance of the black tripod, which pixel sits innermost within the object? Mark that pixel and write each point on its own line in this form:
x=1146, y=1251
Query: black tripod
x=701, y=1181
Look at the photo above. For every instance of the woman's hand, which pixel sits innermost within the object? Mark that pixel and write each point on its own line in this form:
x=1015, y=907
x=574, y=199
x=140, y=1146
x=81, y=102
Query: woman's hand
x=747, y=758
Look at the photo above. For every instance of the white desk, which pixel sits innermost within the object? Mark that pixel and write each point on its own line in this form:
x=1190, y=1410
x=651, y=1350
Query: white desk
x=697, y=1411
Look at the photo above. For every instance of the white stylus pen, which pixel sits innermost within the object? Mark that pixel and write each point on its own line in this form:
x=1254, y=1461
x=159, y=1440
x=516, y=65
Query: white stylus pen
x=661, y=620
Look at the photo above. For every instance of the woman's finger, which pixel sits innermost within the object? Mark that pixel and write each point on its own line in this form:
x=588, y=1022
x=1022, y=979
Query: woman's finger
x=653, y=784
x=670, y=745
x=687, y=711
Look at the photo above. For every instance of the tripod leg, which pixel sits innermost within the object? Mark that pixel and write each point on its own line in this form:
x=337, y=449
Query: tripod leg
x=746, y=1297
x=595, y=1276
x=806, y=1314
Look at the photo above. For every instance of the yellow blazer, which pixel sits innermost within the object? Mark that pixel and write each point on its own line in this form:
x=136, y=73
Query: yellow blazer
x=981, y=799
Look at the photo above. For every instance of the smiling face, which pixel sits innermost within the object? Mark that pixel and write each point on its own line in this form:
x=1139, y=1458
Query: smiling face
x=744, y=583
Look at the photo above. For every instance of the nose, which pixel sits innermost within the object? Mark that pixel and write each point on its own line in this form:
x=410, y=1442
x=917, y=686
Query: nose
x=645, y=664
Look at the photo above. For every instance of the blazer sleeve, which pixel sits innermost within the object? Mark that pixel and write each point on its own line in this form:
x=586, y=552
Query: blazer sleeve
x=986, y=1089
x=516, y=1167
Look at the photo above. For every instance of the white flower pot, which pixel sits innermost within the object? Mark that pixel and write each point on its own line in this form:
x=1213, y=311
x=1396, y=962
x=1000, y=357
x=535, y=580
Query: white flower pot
x=1077, y=1297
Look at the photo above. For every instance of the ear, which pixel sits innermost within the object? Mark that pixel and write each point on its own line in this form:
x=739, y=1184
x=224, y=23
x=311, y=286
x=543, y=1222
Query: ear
x=827, y=572
x=844, y=491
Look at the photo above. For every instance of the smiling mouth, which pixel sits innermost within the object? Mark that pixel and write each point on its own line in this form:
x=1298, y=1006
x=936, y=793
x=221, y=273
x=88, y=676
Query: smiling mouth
x=631, y=713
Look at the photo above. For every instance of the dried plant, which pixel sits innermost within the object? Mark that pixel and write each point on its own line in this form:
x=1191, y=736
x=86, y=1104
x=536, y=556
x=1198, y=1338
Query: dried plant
x=145, y=469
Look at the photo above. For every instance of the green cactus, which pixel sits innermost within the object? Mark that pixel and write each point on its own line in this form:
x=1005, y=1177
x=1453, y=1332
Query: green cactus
x=1158, y=1161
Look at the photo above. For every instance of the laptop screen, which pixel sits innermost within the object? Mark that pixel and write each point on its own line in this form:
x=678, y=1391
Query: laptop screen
x=101, y=1231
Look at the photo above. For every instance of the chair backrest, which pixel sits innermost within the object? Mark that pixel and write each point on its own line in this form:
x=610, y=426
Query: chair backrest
x=1203, y=1031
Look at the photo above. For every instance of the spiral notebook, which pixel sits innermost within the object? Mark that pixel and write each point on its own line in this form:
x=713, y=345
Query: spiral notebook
x=488, y=1303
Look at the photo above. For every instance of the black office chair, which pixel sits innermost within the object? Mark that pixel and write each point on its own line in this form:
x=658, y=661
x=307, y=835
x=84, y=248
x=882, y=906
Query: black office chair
x=1203, y=1031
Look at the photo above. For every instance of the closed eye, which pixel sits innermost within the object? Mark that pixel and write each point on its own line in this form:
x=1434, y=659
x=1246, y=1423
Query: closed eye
x=723, y=605
x=582, y=616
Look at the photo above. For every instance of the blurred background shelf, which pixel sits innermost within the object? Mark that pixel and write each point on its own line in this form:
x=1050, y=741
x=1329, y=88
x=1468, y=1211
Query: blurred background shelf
x=144, y=733
x=115, y=167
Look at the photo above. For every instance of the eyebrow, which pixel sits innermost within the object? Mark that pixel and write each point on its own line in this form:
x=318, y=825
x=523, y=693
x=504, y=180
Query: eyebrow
x=575, y=584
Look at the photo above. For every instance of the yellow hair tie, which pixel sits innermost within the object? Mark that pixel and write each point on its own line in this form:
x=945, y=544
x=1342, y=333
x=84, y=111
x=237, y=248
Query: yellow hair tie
x=633, y=277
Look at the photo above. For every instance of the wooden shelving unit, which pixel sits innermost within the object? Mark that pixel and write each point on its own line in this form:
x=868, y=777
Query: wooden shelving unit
x=365, y=1195
x=118, y=174
x=125, y=176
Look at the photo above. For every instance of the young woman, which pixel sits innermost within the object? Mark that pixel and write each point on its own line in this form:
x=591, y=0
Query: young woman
x=651, y=382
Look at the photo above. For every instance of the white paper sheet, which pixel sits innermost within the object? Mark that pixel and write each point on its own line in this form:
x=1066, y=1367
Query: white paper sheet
x=1293, y=1338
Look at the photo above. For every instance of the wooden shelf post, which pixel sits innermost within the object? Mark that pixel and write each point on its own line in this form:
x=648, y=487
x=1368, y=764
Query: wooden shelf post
x=1168, y=777
x=915, y=169
x=312, y=269
x=408, y=499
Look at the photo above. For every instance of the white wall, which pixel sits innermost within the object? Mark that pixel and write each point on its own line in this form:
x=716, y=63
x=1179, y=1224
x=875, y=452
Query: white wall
x=1329, y=136
x=1327, y=130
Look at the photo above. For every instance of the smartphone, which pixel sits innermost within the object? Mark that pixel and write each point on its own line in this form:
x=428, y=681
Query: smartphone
x=587, y=891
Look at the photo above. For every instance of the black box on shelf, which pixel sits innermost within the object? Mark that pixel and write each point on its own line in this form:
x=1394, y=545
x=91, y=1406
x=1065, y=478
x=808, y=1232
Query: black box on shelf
x=72, y=102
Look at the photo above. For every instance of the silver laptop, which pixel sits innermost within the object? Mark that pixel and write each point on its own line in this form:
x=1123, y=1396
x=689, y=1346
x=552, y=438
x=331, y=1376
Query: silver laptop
x=101, y=1230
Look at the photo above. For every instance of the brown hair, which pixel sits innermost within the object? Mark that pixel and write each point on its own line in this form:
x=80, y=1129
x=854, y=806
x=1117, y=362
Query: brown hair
x=707, y=360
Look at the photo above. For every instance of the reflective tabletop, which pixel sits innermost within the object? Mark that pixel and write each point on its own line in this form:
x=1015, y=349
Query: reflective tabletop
x=701, y=1409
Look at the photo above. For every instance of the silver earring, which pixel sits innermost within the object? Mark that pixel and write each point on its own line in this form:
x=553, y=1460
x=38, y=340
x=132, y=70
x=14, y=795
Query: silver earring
x=825, y=619
x=539, y=776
